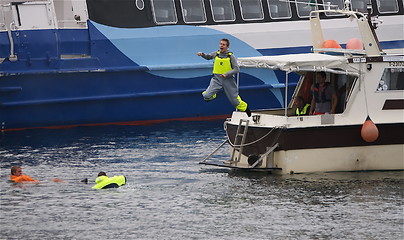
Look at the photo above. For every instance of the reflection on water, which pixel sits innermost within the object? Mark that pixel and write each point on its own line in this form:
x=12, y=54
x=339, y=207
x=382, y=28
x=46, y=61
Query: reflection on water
x=170, y=196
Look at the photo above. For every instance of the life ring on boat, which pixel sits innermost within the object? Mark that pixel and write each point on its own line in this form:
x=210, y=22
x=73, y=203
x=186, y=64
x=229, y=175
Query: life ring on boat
x=331, y=44
x=104, y=182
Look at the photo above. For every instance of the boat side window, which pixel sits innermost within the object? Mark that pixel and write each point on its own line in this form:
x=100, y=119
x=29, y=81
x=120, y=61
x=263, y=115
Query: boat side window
x=223, y=10
x=334, y=4
x=164, y=11
x=343, y=85
x=392, y=79
x=360, y=5
x=387, y=6
x=251, y=9
x=279, y=9
x=304, y=7
x=193, y=11
x=351, y=81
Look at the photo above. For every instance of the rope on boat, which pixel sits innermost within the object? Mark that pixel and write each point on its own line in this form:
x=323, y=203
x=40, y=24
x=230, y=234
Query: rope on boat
x=253, y=142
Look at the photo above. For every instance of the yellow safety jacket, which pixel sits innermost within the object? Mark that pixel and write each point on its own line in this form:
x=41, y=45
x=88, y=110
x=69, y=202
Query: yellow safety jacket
x=222, y=65
x=103, y=182
x=304, y=110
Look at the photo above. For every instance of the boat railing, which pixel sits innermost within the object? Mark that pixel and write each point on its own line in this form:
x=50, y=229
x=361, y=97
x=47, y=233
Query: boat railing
x=339, y=50
x=353, y=72
x=326, y=5
x=369, y=39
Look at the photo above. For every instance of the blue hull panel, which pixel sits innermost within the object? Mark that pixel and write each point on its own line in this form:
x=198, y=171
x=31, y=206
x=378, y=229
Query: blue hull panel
x=63, y=99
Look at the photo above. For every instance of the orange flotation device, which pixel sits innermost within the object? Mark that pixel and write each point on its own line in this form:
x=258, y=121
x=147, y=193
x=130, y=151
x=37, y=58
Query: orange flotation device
x=331, y=44
x=22, y=178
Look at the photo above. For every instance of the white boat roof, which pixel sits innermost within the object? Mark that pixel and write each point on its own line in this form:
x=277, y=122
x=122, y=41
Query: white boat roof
x=298, y=62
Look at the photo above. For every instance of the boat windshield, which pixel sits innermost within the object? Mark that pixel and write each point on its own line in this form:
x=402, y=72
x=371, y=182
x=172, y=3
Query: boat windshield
x=341, y=84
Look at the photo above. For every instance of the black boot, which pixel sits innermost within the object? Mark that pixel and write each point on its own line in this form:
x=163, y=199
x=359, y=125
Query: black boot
x=247, y=110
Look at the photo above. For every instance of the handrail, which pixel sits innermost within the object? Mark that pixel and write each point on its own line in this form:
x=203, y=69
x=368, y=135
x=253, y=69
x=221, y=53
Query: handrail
x=12, y=57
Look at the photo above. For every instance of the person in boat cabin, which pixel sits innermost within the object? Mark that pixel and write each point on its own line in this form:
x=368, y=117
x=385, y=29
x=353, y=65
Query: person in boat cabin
x=18, y=177
x=224, y=67
x=324, y=96
x=302, y=108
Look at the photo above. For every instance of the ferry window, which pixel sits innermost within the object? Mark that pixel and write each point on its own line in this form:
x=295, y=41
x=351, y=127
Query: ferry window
x=223, y=10
x=279, y=9
x=392, y=79
x=193, y=11
x=24, y=18
x=360, y=5
x=387, y=6
x=139, y=4
x=251, y=9
x=334, y=4
x=164, y=11
x=304, y=7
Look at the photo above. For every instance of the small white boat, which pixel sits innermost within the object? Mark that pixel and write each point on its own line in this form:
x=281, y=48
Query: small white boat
x=366, y=133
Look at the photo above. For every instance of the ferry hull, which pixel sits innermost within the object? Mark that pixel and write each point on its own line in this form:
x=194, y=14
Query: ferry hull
x=125, y=97
x=86, y=78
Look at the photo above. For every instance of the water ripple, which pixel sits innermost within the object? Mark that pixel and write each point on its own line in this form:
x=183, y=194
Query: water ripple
x=170, y=196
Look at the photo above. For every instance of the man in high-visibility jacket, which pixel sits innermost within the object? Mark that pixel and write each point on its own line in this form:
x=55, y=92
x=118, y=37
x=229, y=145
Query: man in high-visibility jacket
x=302, y=108
x=224, y=68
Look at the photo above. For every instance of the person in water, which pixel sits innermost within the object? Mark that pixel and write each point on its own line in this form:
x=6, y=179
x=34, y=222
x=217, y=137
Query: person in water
x=224, y=67
x=18, y=177
x=104, y=182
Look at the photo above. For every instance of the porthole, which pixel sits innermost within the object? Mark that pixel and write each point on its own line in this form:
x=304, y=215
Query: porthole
x=139, y=4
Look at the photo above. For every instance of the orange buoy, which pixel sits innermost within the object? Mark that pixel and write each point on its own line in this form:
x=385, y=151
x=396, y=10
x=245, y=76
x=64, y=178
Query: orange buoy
x=331, y=44
x=369, y=131
x=354, y=43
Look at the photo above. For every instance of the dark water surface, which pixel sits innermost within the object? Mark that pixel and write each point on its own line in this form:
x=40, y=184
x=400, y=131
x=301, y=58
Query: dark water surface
x=170, y=196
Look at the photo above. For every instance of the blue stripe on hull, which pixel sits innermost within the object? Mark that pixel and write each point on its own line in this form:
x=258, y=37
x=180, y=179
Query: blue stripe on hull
x=42, y=100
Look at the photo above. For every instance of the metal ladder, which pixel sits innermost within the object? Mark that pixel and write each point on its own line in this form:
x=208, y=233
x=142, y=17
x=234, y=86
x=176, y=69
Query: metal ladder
x=239, y=140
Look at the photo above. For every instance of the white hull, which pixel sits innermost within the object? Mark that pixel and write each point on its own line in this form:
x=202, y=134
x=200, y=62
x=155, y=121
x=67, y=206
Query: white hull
x=367, y=158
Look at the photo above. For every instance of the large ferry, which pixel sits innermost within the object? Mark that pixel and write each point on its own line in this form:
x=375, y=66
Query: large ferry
x=67, y=63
